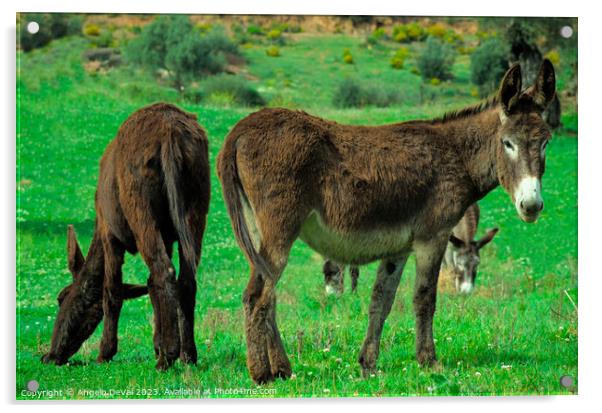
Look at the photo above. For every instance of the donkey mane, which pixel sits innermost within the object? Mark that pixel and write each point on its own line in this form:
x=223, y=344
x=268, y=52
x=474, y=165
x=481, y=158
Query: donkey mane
x=468, y=111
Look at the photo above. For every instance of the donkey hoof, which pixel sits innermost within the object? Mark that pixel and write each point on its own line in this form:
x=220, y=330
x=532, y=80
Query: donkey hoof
x=263, y=378
x=427, y=359
x=188, y=357
x=282, y=372
x=103, y=359
x=368, y=362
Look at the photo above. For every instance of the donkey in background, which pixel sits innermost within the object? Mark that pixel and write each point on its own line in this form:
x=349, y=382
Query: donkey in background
x=462, y=256
x=356, y=194
x=153, y=190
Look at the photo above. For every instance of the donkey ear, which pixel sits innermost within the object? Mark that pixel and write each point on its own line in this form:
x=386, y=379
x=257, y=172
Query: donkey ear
x=510, y=88
x=75, y=258
x=456, y=242
x=487, y=238
x=545, y=85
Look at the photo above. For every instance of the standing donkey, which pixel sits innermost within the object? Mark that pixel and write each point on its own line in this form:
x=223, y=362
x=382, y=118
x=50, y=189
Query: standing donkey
x=462, y=255
x=153, y=190
x=356, y=194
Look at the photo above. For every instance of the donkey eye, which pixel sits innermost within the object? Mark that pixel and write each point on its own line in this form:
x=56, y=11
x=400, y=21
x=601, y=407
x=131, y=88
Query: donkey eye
x=508, y=144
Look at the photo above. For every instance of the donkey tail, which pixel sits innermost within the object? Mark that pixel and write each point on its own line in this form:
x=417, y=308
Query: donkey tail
x=172, y=160
x=234, y=195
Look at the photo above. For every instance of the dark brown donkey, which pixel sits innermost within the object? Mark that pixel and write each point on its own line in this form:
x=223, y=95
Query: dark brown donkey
x=153, y=190
x=356, y=194
x=462, y=255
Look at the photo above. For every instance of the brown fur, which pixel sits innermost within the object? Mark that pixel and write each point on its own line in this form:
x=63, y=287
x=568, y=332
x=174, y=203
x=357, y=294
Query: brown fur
x=153, y=190
x=462, y=255
x=339, y=187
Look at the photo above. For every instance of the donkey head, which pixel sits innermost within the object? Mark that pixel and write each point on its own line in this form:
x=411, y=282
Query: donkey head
x=466, y=259
x=80, y=303
x=523, y=136
x=80, y=306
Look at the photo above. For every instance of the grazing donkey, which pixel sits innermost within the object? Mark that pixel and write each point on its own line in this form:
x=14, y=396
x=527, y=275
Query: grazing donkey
x=153, y=190
x=462, y=255
x=334, y=277
x=356, y=194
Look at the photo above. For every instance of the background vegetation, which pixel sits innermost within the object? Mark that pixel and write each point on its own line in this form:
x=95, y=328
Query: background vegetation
x=517, y=334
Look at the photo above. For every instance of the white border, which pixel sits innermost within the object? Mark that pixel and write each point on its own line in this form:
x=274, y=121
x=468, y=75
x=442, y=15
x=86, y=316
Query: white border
x=589, y=192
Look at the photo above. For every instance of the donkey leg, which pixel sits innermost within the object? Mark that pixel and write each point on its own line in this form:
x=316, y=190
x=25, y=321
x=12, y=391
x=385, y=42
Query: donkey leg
x=383, y=295
x=266, y=357
x=154, y=303
x=355, y=274
x=279, y=362
x=187, y=288
x=112, y=298
x=258, y=361
x=163, y=291
x=428, y=263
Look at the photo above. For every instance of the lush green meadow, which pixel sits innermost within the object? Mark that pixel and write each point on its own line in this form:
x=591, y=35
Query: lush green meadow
x=517, y=334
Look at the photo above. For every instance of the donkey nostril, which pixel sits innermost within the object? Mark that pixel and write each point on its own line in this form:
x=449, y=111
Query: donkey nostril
x=522, y=205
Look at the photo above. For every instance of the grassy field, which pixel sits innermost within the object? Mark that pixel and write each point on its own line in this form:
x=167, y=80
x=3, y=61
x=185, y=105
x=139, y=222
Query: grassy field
x=517, y=334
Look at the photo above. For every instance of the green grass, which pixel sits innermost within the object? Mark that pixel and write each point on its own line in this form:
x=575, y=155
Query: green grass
x=520, y=315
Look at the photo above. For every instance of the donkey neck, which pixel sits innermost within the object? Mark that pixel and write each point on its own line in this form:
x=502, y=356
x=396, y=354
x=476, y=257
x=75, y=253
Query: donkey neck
x=474, y=137
x=93, y=269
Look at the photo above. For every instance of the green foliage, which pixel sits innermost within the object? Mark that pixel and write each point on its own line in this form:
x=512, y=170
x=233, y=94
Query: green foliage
x=52, y=26
x=255, y=30
x=398, y=59
x=92, y=30
x=234, y=88
x=411, y=32
x=347, y=56
x=437, y=30
x=377, y=35
x=274, y=34
x=488, y=64
x=171, y=42
x=272, y=51
x=436, y=60
x=352, y=93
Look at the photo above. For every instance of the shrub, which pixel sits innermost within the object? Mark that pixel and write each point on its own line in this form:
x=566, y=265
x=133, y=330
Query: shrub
x=255, y=30
x=376, y=36
x=437, y=30
x=92, y=30
x=415, y=31
x=52, y=26
x=435, y=81
x=272, y=51
x=410, y=32
x=274, y=34
x=488, y=64
x=275, y=37
x=204, y=27
x=436, y=60
x=347, y=56
x=171, y=42
x=221, y=88
x=348, y=94
x=398, y=59
x=352, y=93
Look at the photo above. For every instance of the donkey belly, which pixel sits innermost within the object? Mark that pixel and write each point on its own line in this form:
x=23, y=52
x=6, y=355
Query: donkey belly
x=355, y=248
